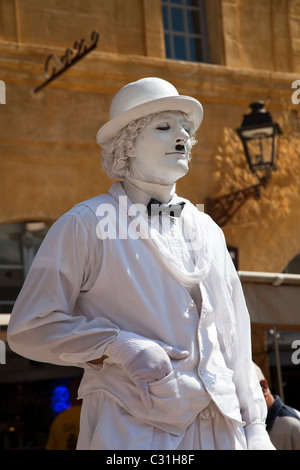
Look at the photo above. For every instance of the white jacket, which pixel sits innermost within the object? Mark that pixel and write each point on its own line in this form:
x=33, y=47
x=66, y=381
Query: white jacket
x=85, y=287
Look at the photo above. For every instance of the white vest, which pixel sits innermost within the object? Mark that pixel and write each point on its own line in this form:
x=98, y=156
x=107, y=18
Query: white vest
x=136, y=292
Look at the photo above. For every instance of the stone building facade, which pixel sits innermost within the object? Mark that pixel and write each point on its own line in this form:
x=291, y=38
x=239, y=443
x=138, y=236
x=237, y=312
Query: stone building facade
x=49, y=159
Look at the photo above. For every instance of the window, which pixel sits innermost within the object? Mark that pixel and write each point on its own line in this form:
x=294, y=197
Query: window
x=185, y=30
x=18, y=246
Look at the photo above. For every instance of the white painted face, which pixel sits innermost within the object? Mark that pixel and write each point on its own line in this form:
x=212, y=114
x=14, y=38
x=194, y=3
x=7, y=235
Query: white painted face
x=160, y=152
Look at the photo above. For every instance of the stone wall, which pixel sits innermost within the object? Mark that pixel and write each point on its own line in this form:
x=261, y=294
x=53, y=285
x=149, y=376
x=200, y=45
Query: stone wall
x=261, y=35
x=123, y=25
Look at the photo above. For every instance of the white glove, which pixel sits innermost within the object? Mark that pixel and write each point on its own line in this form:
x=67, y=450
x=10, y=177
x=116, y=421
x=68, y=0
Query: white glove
x=144, y=360
x=258, y=438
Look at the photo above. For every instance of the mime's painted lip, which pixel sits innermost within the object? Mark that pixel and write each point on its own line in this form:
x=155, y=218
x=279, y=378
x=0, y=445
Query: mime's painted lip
x=175, y=153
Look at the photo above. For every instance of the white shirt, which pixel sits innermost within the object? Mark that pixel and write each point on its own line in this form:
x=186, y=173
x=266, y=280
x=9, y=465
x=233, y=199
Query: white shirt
x=44, y=327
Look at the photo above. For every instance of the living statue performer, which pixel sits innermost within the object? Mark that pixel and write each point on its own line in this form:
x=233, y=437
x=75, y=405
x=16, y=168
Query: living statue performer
x=137, y=288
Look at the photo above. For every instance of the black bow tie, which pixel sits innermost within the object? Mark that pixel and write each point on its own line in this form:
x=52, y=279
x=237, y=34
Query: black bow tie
x=156, y=207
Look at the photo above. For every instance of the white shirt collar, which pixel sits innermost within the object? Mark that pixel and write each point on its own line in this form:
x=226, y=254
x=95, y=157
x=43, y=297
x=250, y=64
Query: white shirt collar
x=141, y=192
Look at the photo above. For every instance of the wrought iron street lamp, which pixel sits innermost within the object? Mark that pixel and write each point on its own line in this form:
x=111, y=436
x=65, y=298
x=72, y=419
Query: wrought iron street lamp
x=260, y=138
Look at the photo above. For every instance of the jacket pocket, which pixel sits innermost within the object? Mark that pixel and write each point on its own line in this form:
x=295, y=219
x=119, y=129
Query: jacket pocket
x=176, y=398
x=165, y=387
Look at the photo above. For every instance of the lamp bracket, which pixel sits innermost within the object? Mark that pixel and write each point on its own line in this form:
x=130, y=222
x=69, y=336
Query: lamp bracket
x=222, y=209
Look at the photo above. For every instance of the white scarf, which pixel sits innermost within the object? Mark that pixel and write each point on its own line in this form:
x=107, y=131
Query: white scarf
x=192, y=226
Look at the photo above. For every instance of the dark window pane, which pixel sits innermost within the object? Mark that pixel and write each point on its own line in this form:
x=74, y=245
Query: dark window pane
x=192, y=3
x=165, y=18
x=180, y=49
x=177, y=19
x=193, y=20
x=179, y=2
x=196, y=49
x=168, y=46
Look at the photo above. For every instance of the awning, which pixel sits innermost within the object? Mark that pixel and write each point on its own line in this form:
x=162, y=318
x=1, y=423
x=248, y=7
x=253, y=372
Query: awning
x=272, y=298
x=273, y=301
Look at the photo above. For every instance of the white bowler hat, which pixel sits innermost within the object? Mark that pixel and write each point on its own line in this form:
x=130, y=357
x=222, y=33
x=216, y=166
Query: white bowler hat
x=143, y=97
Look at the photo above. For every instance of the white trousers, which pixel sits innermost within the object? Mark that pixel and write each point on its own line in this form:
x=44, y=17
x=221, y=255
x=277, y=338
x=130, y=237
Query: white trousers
x=104, y=425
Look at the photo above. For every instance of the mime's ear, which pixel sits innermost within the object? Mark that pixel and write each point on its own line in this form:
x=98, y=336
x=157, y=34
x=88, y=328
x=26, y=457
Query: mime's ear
x=129, y=150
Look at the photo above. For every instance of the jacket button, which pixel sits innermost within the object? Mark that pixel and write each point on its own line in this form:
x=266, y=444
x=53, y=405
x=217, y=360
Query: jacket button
x=205, y=413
